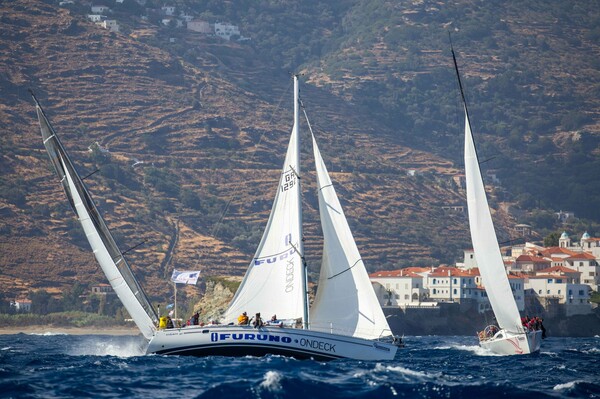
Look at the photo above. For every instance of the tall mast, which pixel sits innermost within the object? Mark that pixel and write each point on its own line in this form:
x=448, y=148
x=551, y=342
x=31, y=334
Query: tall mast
x=462, y=95
x=305, y=322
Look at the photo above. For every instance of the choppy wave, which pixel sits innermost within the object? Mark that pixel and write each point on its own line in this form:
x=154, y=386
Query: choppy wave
x=565, y=386
x=73, y=366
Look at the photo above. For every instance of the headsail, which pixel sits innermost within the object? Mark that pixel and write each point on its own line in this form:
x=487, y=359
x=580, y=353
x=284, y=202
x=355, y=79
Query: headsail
x=273, y=283
x=105, y=249
x=345, y=302
x=485, y=243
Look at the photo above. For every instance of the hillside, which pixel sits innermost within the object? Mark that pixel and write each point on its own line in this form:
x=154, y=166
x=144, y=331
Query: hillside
x=205, y=143
x=191, y=136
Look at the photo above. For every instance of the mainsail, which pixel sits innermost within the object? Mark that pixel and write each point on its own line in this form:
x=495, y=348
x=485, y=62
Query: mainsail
x=105, y=249
x=345, y=302
x=485, y=244
x=274, y=281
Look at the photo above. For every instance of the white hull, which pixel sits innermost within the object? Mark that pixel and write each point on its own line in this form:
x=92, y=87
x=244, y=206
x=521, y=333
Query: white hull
x=506, y=343
x=247, y=341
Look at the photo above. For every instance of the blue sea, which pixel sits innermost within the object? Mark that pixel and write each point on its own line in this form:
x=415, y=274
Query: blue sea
x=102, y=366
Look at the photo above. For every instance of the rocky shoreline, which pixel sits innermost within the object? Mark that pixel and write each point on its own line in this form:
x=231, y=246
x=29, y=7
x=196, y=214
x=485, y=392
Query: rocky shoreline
x=448, y=320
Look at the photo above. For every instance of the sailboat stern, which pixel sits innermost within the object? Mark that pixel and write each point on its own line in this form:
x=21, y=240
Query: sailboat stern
x=507, y=343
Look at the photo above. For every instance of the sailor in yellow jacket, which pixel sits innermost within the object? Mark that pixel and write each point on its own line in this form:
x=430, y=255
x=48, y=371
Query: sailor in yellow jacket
x=162, y=323
x=243, y=319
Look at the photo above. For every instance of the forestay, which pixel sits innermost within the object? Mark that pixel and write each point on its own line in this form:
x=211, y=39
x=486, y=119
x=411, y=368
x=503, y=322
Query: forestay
x=345, y=302
x=103, y=245
x=485, y=243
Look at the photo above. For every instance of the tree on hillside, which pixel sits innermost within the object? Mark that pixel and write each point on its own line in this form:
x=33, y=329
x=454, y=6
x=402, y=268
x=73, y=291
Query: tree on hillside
x=551, y=240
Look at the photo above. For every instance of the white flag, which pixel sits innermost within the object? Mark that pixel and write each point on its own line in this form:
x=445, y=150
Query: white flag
x=185, y=277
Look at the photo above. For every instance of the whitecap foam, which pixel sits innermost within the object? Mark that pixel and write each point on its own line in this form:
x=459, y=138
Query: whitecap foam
x=48, y=334
x=475, y=349
x=271, y=381
x=413, y=373
x=591, y=350
x=117, y=348
x=567, y=385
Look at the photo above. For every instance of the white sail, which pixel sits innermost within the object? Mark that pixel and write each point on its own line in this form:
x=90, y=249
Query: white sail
x=485, y=243
x=345, y=302
x=105, y=250
x=273, y=283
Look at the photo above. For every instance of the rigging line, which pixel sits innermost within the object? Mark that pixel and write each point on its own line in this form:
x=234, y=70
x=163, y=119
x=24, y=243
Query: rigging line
x=487, y=160
x=345, y=270
x=134, y=247
x=85, y=177
x=250, y=158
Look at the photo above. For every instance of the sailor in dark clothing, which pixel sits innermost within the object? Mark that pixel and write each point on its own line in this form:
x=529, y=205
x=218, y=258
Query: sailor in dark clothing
x=257, y=321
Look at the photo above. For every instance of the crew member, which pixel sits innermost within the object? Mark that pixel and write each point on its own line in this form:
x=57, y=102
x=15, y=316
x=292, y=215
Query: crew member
x=243, y=319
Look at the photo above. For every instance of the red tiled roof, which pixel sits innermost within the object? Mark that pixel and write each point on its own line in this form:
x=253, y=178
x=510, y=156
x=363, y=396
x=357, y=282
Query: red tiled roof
x=557, y=250
x=558, y=269
x=395, y=273
x=582, y=255
x=534, y=259
x=454, y=272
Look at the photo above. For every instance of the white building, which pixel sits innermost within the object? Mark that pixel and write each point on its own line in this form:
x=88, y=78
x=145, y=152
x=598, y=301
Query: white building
x=574, y=297
x=168, y=10
x=449, y=284
x=225, y=31
x=401, y=287
x=100, y=9
x=588, y=266
x=590, y=244
x=22, y=305
x=109, y=24
x=96, y=17
x=469, y=261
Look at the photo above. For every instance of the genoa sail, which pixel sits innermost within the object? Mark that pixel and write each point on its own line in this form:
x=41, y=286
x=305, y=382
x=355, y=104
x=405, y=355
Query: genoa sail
x=105, y=249
x=485, y=244
x=345, y=302
x=274, y=281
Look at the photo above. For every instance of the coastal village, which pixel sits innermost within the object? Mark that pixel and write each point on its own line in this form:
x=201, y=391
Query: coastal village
x=167, y=15
x=554, y=282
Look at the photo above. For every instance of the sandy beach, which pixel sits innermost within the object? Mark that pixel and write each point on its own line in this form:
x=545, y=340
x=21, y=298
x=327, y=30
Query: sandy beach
x=70, y=330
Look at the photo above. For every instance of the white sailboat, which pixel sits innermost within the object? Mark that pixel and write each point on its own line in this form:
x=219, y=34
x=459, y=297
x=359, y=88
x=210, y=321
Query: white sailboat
x=345, y=320
x=509, y=337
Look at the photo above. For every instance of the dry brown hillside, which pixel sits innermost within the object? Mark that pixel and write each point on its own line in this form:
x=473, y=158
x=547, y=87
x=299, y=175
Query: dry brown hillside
x=204, y=144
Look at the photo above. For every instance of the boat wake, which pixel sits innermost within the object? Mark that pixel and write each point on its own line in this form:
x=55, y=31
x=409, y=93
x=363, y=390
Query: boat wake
x=475, y=349
x=100, y=346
